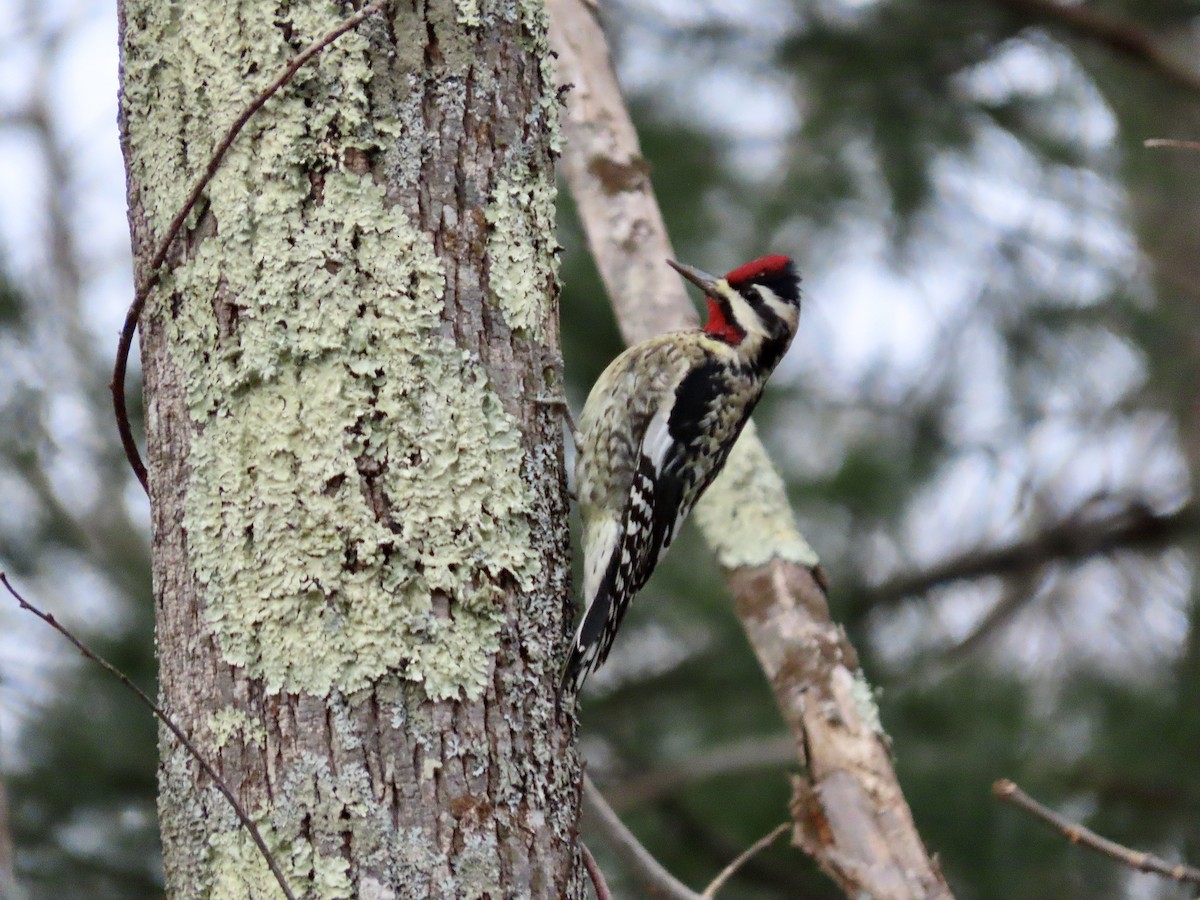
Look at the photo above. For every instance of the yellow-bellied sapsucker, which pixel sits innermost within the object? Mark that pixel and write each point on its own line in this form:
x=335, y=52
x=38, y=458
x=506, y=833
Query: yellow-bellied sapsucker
x=656, y=430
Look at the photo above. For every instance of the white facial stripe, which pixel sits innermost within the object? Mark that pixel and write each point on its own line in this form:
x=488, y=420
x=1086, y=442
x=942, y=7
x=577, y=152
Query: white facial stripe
x=779, y=306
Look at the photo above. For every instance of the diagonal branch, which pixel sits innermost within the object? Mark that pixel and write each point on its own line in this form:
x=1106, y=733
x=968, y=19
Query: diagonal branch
x=648, y=870
x=1123, y=36
x=1071, y=540
x=153, y=271
x=1008, y=792
x=848, y=810
x=1017, y=594
x=218, y=782
x=597, y=877
x=730, y=870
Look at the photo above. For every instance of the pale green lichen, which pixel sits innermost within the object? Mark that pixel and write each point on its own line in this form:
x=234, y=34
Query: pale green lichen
x=521, y=216
x=338, y=365
x=306, y=588
x=416, y=858
x=864, y=702
x=239, y=869
x=370, y=888
x=745, y=516
x=234, y=866
x=536, y=23
x=230, y=721
x=183, y=815
x=467, y=13
x=532, y=16
x=339, y=806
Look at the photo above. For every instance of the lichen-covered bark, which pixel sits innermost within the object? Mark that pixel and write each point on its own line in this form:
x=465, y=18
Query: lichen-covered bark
x=357, y=502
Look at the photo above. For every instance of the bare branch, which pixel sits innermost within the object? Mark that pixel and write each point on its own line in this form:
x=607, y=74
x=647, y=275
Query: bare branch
x=153, y=270
x=218, y=782
x=1170, y=142
x=648, y=870
x=730, y=870
x=1009, y=793
x=1017, y=593
x=594, y=873
x=1073, y=539
x=1120, y=35
x=734, y=758
x=849, y=812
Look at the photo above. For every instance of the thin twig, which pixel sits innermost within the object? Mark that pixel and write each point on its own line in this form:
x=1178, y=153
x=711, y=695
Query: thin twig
x=1008, y=792
x=754, y=849
x=658, y=881
x=594, y=873
x=154, y=269
x=1171, y=142
x=218, y=782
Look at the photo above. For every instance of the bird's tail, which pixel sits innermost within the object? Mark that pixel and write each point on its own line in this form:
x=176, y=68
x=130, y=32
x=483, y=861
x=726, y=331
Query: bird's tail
x=589, y=648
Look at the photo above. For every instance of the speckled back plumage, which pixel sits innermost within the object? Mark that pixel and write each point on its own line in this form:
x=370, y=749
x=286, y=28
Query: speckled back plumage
x=656, y=430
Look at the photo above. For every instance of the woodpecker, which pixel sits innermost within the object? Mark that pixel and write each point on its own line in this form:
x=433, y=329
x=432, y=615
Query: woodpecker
x=656, y=430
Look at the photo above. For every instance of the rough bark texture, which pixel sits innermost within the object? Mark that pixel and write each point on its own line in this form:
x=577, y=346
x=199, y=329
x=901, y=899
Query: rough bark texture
x=359, y=547
x=849, y=812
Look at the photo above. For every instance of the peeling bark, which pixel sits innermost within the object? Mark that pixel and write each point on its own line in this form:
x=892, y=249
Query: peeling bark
x=849, y=812
x=359, y=543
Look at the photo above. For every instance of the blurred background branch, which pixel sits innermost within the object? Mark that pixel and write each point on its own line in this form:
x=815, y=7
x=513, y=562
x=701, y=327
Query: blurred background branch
x=655, y=879
x=1076, y=538
x=1075, y=833
x=1123, y=36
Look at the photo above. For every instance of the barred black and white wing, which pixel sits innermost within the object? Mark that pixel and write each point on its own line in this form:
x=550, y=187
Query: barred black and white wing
x=683, y=447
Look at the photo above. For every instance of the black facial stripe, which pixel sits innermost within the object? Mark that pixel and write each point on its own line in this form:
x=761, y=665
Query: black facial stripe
x=785, y=285
x=772, y=351
x=771, y=320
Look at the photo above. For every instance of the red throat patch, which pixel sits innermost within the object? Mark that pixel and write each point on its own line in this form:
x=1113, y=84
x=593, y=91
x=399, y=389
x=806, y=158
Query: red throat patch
x=720, y=327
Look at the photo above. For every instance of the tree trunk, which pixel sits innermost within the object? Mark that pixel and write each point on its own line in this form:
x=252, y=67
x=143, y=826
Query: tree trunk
x=359, y=541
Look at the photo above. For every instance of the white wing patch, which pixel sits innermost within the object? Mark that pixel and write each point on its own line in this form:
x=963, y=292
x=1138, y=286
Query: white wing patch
x=656, y=444
x=657, y=439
